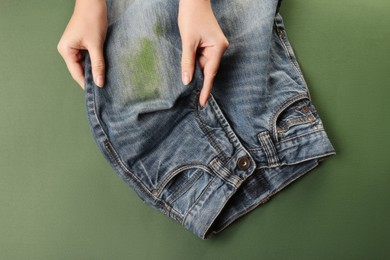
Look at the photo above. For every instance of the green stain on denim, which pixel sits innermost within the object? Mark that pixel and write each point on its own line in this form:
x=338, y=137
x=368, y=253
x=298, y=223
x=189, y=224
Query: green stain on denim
x=143, y=71
x=158, y=30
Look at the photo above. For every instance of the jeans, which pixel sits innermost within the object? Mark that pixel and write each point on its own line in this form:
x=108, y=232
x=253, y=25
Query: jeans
x=203, y=166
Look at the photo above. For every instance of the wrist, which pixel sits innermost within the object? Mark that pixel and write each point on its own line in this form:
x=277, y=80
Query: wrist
x=96, y=7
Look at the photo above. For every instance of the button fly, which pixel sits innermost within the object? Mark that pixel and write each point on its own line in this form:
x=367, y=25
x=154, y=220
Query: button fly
x=244, y=162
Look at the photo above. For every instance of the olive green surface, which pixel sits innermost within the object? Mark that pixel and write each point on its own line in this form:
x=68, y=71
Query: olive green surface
x=59, y=198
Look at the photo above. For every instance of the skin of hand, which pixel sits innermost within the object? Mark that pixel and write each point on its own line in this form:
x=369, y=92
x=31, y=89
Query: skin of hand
x=199, y=31
x=86, y=31
x=201, y=35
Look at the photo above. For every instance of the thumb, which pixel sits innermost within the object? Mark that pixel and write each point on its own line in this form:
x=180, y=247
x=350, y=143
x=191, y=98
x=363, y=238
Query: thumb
x=98, y=65
x=187, y=62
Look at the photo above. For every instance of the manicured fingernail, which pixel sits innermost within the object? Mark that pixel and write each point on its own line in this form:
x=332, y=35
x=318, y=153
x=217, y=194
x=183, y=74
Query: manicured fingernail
x=185, y=78
x=99, y=81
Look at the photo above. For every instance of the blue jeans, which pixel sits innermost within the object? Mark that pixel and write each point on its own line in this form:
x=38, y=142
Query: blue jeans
x=203, y=167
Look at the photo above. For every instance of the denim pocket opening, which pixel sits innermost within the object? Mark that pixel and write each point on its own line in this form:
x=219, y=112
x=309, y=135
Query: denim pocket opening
x=184, y=188
x=296, y=118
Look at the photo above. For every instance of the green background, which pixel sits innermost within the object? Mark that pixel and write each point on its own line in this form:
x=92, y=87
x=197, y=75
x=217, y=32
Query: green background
x=59, y=199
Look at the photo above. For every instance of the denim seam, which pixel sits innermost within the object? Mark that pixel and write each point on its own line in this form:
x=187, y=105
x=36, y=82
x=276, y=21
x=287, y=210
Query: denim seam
x=291, y=56
x=290, y=181
x=200, y=197
x=313, y=157
x=217, y=213
x=301, y=135
x=299, y=120
x=227, y=199
x=228, y=173
x=223, y=168
x=282, y=36
x=280, y=109
x=269, y=149
x=168, y=210
x=259, y=148
x=175, y=172
x=233, y=157
x=317, y=134
x=227, y=223
x=179, y=191
x=317, y=156
x=111, y=153
x=225, y=125
x=202, y=126
x=124, y=169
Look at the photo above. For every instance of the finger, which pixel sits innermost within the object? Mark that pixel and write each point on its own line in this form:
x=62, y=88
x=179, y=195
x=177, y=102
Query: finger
x=72, y=61
x=77, y=72
x=98, y=65
x=211, y=66
x=188, y=62
x=207, y=87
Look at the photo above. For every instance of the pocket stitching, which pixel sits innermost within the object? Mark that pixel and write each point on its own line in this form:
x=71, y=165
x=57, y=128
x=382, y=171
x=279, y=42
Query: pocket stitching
x=170, y=176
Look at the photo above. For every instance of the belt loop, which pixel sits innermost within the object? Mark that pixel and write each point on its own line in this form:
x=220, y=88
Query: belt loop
x=224, y=173
x=269, y=148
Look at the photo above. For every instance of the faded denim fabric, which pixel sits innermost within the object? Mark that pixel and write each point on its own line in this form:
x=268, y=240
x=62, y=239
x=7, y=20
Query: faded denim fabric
x=203, y=167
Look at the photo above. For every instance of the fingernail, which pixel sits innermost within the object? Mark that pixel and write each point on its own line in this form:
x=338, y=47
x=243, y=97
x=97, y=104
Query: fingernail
x=205, y=103
x=203, y=106
x=99, y=81
x=186, y=78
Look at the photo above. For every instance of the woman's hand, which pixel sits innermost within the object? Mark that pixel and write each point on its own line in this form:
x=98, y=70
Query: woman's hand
x=86, y=31
x=199, y=29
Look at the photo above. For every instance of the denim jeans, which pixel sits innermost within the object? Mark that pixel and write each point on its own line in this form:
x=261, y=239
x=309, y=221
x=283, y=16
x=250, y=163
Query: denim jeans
x=203, y=166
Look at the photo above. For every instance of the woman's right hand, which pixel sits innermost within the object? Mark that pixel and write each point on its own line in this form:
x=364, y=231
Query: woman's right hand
x=86, y=31
x=202, y=40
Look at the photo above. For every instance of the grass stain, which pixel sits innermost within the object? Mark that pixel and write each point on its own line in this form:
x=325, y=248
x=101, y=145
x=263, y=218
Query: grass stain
x=158, y=30
x=143, y=68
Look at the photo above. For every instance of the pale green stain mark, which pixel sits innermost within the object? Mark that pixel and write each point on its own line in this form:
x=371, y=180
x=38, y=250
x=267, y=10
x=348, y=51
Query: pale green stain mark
x=143, y=68
x=158, y=30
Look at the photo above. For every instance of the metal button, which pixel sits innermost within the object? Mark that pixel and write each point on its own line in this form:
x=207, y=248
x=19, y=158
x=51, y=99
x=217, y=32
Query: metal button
x=244, y=162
